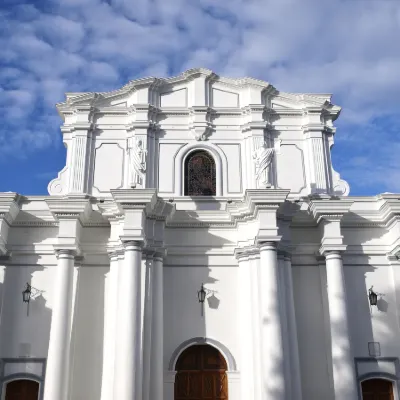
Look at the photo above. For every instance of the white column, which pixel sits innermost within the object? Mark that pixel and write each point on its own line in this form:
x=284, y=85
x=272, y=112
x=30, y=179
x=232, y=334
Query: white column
x=255, y=295
x=110, y=319
x=271, y=328
x=245, y=325
x=285, y=327
x=292, y=332
x=57, y=369
x=127, y=345
x=147, y=330
x=157, y=335
x=344, y=379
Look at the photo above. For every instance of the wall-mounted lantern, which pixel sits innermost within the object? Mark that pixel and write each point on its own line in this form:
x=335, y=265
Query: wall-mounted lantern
x=373, y=297
x=201, y=294
x=28, y=294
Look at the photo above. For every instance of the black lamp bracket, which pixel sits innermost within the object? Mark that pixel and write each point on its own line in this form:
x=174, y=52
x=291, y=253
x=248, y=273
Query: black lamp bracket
x=34, y=293
x=377, y=293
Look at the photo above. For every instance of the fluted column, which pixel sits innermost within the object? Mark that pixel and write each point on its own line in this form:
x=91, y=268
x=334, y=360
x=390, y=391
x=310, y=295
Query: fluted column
x=245, y=325
x=344, y=378
x=110, y=319
x=128, y=340
x=271, y=327
x=147, y=329
x=254, y=260
x=285, y=326
x=157, y=335
x=57, y=370
x=292, y=332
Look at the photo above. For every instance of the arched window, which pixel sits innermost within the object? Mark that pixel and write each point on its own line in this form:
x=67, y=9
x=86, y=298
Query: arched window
x=201, y=374
x=200, y=174
x=22, y=389
x=377, y=389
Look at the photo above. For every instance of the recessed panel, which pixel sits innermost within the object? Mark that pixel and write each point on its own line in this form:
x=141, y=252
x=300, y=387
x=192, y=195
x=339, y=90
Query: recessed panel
x=166, y=169
x=290, y=168
x=109, y=162
x=222, y=98
x=176, y=98
x=234, y=170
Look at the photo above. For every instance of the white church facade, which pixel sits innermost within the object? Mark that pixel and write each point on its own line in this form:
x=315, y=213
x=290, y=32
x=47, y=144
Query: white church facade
x=198, y=244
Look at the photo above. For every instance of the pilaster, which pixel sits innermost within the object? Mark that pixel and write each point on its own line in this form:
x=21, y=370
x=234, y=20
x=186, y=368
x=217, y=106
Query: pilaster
x=318, y=151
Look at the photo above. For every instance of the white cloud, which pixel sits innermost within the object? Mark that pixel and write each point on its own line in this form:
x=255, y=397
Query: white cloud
x=346, y=47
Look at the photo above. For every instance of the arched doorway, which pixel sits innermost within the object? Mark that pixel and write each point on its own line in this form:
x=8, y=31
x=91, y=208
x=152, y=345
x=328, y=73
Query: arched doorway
x=22, y=389
x=377, y=389
x=201, y=374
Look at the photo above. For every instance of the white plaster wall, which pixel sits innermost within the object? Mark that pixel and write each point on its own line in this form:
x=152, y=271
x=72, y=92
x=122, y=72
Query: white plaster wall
x=313, y=338
x=87, y=334
x=372, y=324
x=22, y=335
x=182, y=310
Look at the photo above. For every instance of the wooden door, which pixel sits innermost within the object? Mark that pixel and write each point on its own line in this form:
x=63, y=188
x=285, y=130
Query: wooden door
x=201, y=374
x=22, y=389
x=377, y=389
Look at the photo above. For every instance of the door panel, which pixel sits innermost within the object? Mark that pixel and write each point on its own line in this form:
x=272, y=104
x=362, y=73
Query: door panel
x=22, y=389
x=201, y=374
x=377, y=389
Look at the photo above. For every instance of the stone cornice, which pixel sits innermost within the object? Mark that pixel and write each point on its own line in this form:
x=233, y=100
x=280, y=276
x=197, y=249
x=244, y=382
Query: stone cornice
x=9, y=206
x=329, y=209
x=134, y=199
x=70, y=207
x=9, y=209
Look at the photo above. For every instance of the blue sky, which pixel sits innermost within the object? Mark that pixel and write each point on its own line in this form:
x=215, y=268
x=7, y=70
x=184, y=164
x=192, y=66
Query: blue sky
x=350, y=48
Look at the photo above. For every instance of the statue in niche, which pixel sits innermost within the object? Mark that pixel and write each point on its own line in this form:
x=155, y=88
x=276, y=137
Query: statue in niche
x=137, y=162
x=263, y=157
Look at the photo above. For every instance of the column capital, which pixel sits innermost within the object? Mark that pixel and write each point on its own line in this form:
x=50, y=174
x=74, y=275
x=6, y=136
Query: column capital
x=325, y=250
x=133, y=245
x=65, y=253
x=246, y=252
x=333, y=254
x=113, y=255
x=158, y=257
x=267, y=246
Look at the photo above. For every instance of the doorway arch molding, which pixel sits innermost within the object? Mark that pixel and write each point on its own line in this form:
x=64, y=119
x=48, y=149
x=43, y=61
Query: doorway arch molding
x=230, y=360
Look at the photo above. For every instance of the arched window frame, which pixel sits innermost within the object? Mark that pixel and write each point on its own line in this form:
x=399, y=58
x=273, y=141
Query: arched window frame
x=203, y=154
x=220, y=167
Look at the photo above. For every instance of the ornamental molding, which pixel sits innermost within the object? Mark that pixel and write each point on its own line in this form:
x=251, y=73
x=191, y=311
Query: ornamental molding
x=41, y=224
x=70, y=207
x=329, y=209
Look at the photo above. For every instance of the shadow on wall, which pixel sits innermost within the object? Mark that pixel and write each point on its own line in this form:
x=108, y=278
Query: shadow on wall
x=368, y=323
x=24, y=335
x=87, y=333
x=310, y=287
x=185, y=318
